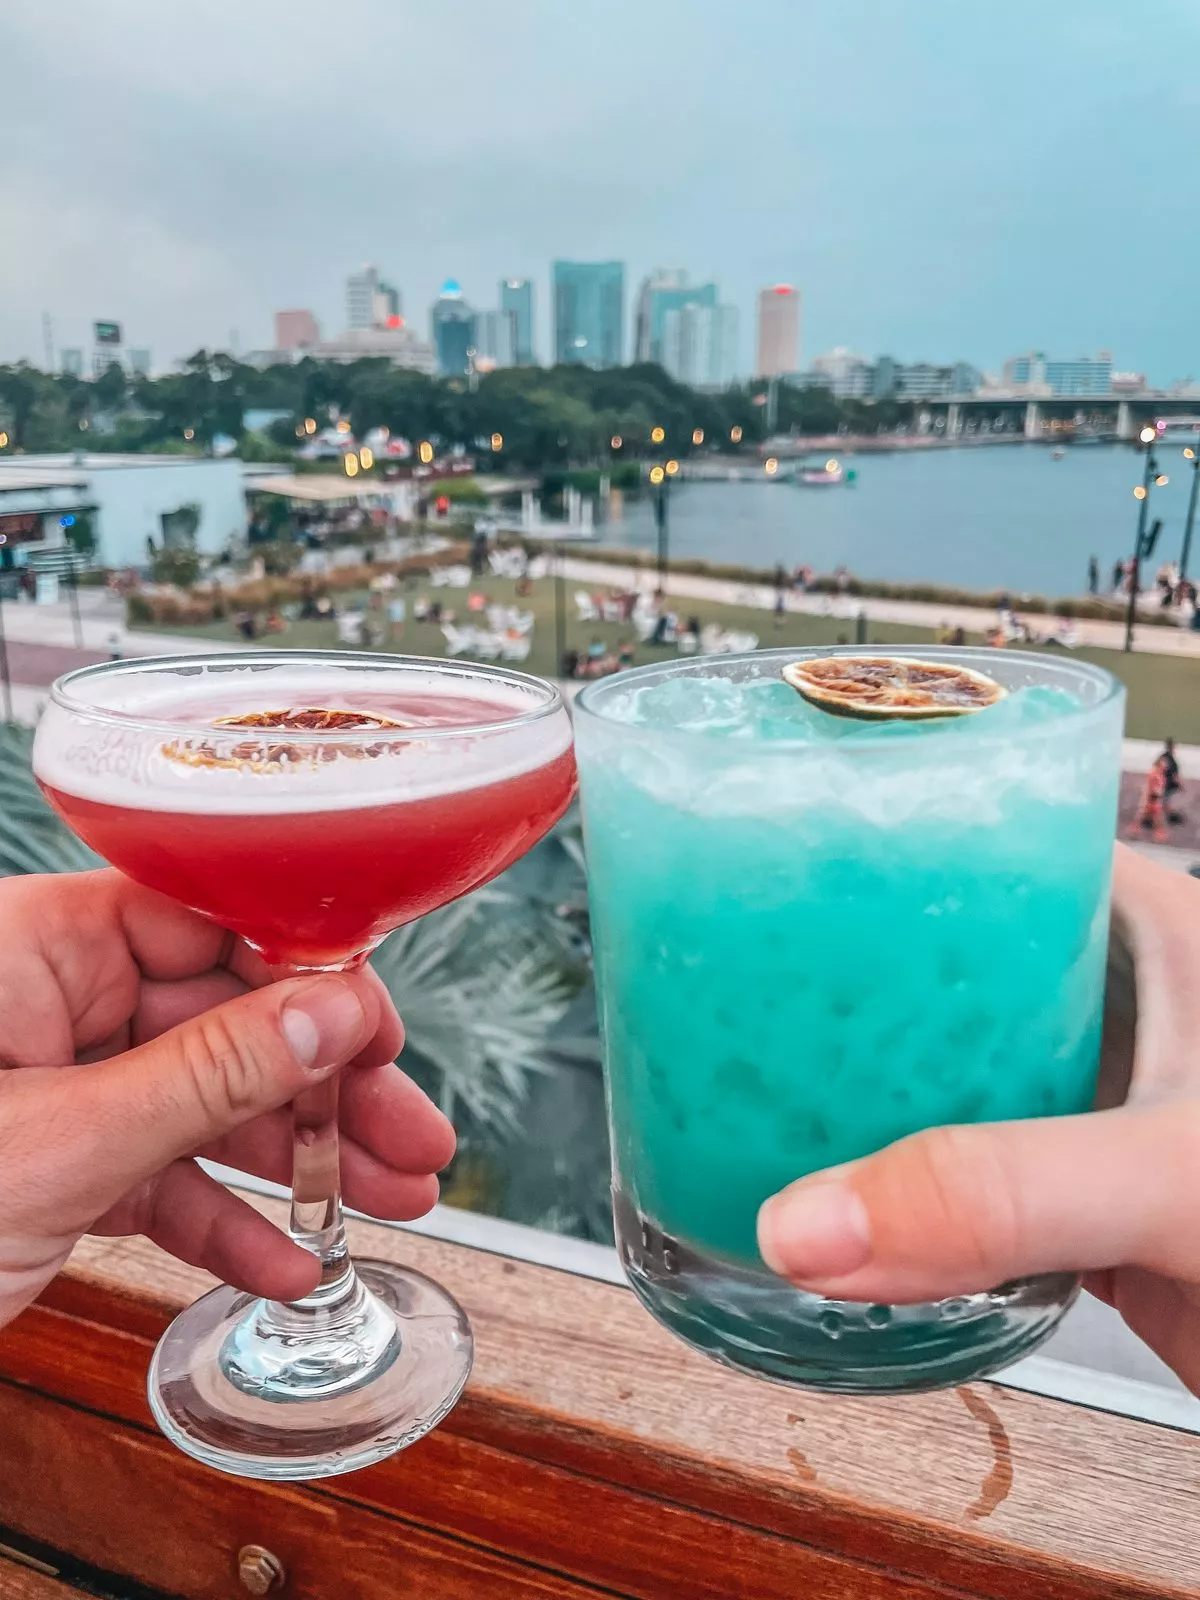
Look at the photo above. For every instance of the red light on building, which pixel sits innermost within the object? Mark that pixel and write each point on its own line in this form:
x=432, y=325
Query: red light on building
x=783, y=288
x=395, y=322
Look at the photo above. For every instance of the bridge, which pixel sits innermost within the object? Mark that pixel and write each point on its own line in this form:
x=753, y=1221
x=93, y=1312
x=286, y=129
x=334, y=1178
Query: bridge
x=1095, y=416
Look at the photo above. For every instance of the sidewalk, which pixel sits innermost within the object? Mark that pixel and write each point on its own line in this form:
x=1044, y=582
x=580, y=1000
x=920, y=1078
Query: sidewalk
x=1150, y=639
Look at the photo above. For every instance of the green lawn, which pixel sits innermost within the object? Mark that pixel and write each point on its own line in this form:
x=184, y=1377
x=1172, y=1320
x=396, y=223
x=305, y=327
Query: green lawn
x=1164, y=691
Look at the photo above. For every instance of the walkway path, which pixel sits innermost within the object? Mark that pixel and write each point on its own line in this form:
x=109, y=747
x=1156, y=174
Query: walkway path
x=1167, y=641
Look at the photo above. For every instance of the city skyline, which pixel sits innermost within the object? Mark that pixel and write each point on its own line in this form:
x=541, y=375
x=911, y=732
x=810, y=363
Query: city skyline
x=941, y=188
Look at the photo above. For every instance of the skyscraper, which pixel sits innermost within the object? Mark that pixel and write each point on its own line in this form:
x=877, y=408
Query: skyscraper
x=361, y=289
x=496, y=339
x=295, y=329
x=589, y=307
x=72, y=363
x=778, y=331
x=699, y=344
x=516, y=299
x=370, y=302
x=666, y=290
x=655, y=298
x=452, y=331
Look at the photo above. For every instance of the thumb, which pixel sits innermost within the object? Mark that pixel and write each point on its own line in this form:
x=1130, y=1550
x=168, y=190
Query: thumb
x=126, y=1119
x=958, y=1210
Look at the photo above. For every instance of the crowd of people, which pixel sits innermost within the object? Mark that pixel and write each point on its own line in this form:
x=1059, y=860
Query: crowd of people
x=1175, y=592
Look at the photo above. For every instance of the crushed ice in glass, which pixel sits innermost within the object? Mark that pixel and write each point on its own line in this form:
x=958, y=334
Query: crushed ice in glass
x=768, y=709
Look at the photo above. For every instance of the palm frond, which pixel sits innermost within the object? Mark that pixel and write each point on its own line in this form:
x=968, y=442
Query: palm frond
x=32, y=839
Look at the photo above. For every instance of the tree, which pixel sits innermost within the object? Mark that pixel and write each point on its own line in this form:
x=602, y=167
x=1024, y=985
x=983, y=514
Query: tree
x=22, y=388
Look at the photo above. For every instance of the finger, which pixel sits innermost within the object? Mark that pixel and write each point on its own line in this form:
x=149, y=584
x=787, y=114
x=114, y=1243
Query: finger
x=199, y=1221
x=384, y=1111
x=1156, y=915
x=388, y=1040
x=163, y=1006
x=368, y=1184
x=1163, y=1314
x=166, y=939
x=109, y=1127
x=956, y=1210
x=381, y=1110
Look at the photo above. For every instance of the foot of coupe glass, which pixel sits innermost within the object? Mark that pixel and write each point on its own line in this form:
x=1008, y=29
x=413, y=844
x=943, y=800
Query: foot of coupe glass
x=364, y=1365
x=306, y=1351
x=231, y=1386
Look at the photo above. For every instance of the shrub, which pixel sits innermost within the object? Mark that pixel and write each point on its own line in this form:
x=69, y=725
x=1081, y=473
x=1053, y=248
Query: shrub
x=179, y=565
x=208, y=603
x=1087, y=607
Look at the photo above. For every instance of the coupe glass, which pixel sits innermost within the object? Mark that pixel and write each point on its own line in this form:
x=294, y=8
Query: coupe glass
x=310, y=802
x=814, y=936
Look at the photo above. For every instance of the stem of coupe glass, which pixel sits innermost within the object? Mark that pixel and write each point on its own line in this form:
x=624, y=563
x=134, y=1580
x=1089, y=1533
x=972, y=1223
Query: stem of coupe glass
x=316, y=1220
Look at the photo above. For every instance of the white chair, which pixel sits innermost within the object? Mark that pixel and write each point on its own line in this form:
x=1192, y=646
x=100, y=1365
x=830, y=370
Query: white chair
x=522, y=621
x=687, y=644
x=488, y=645
x=737, y=643
x=459, y=641
x=457, y=577
x=437, y=577
x=515, y=649
x=350, y=627
x=585, y=607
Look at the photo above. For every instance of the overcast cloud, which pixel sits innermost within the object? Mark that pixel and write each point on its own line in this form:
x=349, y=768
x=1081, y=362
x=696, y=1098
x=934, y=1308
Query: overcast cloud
x=943, y=179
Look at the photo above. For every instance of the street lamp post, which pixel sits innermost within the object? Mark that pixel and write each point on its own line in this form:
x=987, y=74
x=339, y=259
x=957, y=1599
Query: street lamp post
x=1143, y=543
x=660, y=482
x=560, y=610
x=5, y=676
x=1192, y=455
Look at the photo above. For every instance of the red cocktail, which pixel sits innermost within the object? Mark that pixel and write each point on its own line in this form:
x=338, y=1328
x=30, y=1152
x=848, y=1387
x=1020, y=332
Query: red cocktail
x=310, y=872
x=311, y=802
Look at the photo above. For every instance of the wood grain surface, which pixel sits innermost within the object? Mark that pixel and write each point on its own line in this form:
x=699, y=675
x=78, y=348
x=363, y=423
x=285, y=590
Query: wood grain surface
x=19, y=1582
x=595, y=1452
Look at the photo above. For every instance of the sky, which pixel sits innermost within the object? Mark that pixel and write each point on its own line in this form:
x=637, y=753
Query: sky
x=943, y=179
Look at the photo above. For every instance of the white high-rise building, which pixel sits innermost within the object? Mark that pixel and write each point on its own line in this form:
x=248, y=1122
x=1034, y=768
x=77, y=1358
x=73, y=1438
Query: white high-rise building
x=699, y=345
x=370, y=302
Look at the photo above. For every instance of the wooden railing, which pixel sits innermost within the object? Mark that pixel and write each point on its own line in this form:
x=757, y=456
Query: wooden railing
x=592, y=1455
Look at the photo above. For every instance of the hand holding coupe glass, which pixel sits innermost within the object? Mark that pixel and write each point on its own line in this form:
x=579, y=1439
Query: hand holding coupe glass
x=814, y=936
x=137, y=1035
x=309, y=802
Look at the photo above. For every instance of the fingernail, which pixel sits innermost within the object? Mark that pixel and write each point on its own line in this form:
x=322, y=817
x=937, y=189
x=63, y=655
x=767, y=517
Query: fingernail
x=323, y=1022
x=814, y=1230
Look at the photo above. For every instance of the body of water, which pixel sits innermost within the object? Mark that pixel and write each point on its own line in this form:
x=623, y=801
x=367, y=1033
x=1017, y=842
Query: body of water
x=1000, y=517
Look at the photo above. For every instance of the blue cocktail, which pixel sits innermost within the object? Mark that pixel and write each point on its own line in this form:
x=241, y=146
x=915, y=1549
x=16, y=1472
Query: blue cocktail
x=814, y=936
